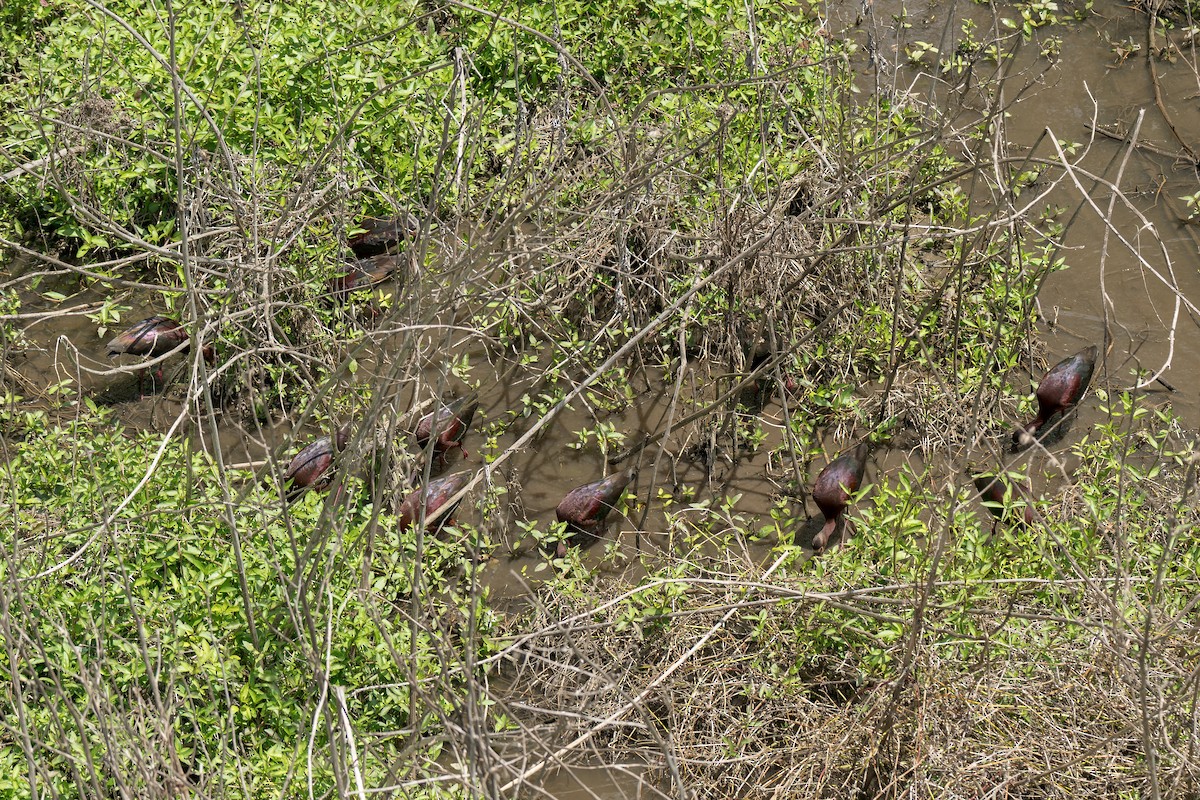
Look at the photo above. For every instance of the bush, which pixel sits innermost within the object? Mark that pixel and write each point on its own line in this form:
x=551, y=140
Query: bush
x=149, y=643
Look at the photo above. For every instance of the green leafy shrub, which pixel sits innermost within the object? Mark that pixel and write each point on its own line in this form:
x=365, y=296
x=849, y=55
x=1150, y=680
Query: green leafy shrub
x=133, y=606
x=266, y=96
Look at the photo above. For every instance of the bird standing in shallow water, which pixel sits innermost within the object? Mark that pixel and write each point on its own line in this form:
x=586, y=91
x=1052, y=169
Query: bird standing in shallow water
x=154, y=337
x=446, y=427
x=383, y=234
x=1058, y=392
x=833, y=489
x=992, y=491
x=309, y=469
x=585, y=508
x=432, y=497
x=366, y=273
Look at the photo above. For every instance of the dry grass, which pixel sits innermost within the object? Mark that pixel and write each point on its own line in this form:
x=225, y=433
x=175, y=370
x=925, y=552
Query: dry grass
x=1047, y=708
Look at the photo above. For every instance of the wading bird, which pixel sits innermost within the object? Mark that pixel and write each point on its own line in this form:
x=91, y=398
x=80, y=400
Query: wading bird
x=432, y=497
x=585, y=508
x=833, y=489
x=993, y=490
x=366, y=273
x=383, y=234
x=310, y=468
x=1060, y=389
x=758, y=392
x=446, y=427
x=154, y=337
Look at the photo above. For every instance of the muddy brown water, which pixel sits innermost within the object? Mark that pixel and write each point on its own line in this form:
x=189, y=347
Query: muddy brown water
x=1133, y=258
x=1109, y=286
x=589, y=783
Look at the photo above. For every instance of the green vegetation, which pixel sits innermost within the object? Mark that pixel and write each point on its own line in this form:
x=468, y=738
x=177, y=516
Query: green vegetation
x=135, y=612
x=685, y=204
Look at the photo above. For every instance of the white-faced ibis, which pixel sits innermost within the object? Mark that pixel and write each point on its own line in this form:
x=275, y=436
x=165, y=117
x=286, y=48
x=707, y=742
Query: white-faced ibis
x=833, y=489
x=993, y=491
x=585, y=509
x=310, y=468
x=447, y=427
x=154, y=337
x=383, y=234
x=433, y=497
x=1059, y=391
x=756, y=394
x=364, y=274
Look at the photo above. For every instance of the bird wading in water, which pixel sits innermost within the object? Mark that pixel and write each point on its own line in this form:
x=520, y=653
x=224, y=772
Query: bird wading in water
x=834, y=487
x=154, y=337
x=432, y=497
x=383, y=234
x=585, y=509
x=310, y=468
x=1058, y=392
x=444, y=430
x=995, y=491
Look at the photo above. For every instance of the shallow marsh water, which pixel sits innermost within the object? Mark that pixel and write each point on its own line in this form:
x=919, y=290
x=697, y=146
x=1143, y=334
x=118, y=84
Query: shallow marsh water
x=1134, y=260
x=1108, y=285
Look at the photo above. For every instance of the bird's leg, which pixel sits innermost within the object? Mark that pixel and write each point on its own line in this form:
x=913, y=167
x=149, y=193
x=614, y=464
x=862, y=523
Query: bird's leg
x=822, y=539
x=847, y=530
x=443, y=456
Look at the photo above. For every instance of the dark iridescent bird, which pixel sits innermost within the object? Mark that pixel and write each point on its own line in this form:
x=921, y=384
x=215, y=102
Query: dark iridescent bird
x=756, y=393
x=993, y=490
x=366, y=273
x=585, y=509
x=833, y=489
x=433, y=497
x=1060, y=389
x=383, y=234
x=310, y=468
x=154, y=337
x=447, y=427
